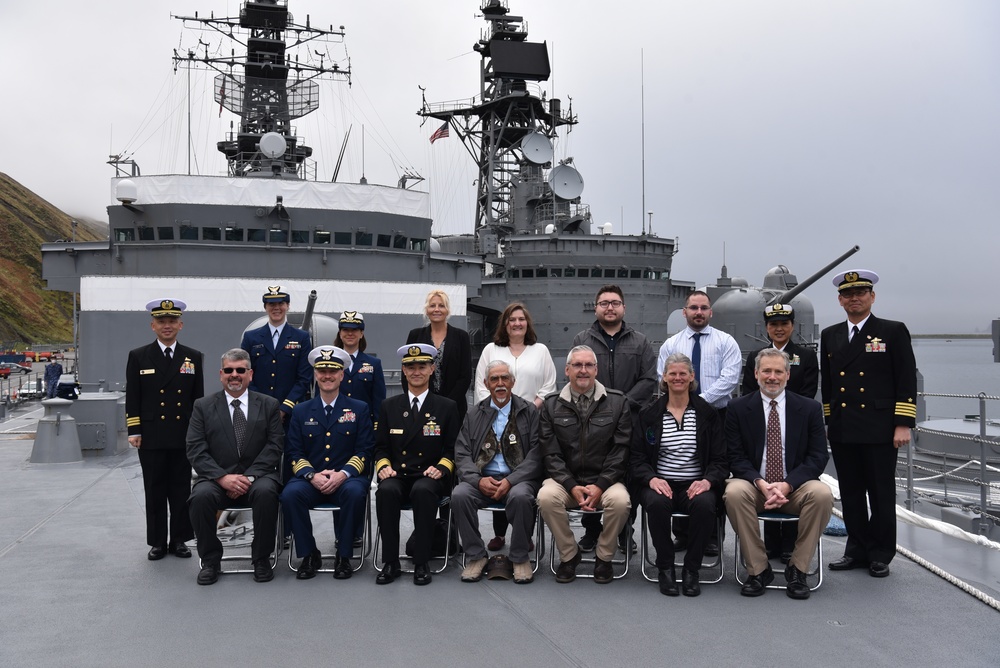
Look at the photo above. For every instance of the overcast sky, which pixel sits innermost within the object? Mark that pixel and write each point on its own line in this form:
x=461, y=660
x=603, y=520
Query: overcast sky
x=788, y=130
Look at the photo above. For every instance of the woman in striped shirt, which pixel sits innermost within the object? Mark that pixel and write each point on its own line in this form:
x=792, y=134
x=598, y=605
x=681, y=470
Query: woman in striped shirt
x=678, y=463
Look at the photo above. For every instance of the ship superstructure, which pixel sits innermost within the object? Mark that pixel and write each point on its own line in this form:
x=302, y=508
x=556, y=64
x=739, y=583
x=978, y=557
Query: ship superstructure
x=217, y=241
x=534, y=234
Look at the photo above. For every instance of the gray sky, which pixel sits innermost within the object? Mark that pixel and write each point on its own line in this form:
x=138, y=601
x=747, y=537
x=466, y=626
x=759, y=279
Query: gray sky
x=789, y=130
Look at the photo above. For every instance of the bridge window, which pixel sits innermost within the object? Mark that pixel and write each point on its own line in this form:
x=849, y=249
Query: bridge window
x=165, y=233
x=363, y=239
x=211, y=234
x=570, y=272
x=257, y=235
x=321, y=237
x=528, y=273
x=277, y=236
x=418, y=244
x=300, y=236
x=556, y=272
x=189, y=233
x=583, y=273
x=146, y=234
x=342, y=238
x=384, y=241
x=124, y=234
x=234, y=234
x=399, y=241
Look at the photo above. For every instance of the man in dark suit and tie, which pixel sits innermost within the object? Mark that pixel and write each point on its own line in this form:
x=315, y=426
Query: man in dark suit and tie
x=234, y=444
x=777, y=452
x=163, y=380
x=779, y=320
x=414, y=461
x=868, y=378
x=329, y=446
x=278, y=354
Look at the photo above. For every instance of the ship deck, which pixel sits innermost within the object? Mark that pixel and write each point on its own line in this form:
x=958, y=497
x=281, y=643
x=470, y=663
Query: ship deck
x=78, y=590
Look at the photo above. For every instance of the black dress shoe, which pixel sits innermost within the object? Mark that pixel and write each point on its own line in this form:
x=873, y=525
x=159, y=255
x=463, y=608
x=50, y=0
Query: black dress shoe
x=797, y=587
x=757, y=584
x=680, y=544
x=689, y=583
x=589, y=541
x=604, y=572
x=711, y=549
x=312, y=563
x=421, y=575
x=786, y=557
x=262, y=571
x=667, y=579
x=878, y=569
x=180, y=550
x=342, y=569
x=567, y=569
x=846, y=563
x=209, y=574
x=156, y=553
x=388, y=573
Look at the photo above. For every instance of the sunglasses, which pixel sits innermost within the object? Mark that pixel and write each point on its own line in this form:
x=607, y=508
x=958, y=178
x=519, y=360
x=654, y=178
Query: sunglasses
x=238, y=370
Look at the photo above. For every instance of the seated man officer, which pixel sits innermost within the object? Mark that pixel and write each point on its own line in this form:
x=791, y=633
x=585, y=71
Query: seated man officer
x=234, y=445
x=498, y=461
x=777, y=450
x=584, y=432
x=330, y=439
x=414, y=461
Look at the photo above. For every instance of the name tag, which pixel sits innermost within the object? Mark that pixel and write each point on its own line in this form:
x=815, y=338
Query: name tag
x=143, y=372
x=395, y=431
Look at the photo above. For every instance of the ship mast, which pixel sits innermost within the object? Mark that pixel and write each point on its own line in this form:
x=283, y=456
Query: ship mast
x=268, y=86
x=508, y=129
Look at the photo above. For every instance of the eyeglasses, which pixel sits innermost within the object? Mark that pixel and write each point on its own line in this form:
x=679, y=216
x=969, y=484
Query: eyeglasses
x=583, y=365
x=698, y=308
x=605, y=304
x=237, y=370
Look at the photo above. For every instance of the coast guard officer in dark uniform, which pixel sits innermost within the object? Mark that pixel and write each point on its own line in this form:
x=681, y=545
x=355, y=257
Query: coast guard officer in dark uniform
x=329, y=445
x=278, y=354
x=779, y=319
x=163, y=380
x=868, y=377
x=414, y=461
x=363, y=376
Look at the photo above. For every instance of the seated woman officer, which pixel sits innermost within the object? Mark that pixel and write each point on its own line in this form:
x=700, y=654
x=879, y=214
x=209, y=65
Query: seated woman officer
x=678, y=462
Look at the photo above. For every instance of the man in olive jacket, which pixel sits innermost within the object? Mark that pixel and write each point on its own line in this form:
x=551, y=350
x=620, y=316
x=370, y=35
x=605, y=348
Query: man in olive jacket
x=498, y=461
x=584, y=432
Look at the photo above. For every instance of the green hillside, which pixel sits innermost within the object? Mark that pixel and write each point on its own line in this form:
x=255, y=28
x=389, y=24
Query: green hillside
x=28, y=312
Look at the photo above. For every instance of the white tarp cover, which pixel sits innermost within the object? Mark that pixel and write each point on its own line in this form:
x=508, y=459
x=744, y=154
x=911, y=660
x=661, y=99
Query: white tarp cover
x=225, y=190
x=223, y=294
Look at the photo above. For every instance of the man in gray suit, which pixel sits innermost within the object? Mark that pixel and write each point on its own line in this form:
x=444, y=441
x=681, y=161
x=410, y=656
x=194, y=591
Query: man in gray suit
x=234, y=443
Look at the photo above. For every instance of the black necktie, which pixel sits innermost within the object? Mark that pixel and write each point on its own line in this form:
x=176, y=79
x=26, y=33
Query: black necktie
x=329, y=412
x=854, y=332
x=696, y=356
x=239, y=425
x=166, y=353
x=416, y=409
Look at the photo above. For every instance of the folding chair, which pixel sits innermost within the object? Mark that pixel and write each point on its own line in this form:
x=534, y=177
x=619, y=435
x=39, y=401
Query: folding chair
x=779, y=583
x=648, y=565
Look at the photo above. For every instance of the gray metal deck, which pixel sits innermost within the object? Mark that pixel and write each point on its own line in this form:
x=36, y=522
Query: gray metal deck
x=77, y=590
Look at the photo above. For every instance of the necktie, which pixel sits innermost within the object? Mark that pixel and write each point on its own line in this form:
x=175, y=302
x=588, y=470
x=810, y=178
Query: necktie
x=854, y=332
x=274, y=339
x=696, y=356
x=353, y=360
x=775, y=460
x=239, y=425
x=416, y=409
x=582, y=403
x=329, y=412
x=166, y=353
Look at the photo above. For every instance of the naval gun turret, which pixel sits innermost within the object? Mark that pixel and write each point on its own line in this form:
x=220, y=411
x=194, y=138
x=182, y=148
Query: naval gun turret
x=738, y=307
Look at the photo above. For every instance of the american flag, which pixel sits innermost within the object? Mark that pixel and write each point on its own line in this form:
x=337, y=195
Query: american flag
x=440, y=133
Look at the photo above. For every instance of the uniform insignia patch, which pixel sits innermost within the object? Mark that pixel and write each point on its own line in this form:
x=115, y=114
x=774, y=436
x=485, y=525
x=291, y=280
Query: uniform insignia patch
x=187, y=367
x=795, y=359
x=366, y=368
x=348, y=416
x=876, y=345
x=432, y=429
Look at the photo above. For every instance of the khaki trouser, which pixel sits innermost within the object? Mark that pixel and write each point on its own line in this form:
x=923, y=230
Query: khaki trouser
x=554, y=501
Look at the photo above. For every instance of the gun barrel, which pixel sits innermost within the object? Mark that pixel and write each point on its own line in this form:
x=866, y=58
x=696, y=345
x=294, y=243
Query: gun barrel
x=797, y=290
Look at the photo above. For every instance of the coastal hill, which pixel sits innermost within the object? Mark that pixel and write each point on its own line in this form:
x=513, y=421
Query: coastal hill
x=29, y=313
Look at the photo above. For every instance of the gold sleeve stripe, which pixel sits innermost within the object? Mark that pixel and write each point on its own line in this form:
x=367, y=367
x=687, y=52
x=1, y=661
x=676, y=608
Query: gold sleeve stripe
x=447, y=463
x=289, y=403
x=826, y=410
x=358, y=463
x=300, y=464
x=133, y=422
x=905, y=409
x=382, y=463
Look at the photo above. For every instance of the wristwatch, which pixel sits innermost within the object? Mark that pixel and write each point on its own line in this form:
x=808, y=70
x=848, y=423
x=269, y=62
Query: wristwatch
x=310, y=475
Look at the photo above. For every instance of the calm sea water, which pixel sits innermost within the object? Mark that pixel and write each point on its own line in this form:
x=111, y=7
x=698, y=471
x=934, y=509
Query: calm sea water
x=960, y=366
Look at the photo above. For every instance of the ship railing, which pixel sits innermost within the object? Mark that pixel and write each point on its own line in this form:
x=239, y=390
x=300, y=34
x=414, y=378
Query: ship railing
x=958, y=474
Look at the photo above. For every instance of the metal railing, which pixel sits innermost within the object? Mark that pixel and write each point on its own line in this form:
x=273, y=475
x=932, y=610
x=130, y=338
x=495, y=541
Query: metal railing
x=954, y=473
